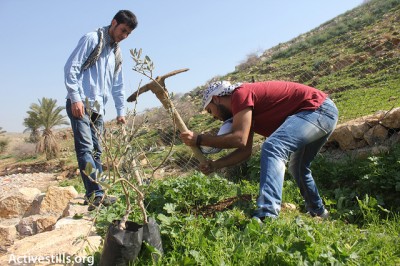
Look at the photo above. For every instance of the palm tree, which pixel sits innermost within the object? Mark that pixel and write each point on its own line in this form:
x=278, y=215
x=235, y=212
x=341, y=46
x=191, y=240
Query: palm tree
x=46, y=115
x=32, y=125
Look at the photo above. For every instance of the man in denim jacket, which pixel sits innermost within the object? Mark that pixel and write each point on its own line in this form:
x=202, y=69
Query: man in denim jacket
x=93, y=73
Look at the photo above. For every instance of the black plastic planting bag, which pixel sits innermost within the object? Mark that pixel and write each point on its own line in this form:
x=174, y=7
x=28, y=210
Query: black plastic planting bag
x=123, y=246
x=151, y=234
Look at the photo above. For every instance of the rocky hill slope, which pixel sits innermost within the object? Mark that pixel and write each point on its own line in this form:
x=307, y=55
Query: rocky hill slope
x=355, y=57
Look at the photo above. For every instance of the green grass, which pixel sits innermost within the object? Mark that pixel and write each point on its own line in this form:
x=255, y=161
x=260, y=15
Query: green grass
x=76, y=182
x=364, y=228
x=373, y=99
x=5, y=156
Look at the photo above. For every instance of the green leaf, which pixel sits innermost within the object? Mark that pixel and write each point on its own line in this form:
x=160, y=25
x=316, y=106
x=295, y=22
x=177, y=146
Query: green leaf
x=88, y=169
x=147, y=60
x=104, y=185
x=164, y=219
x=170, y=208
x=110, y=217
x=77, y=216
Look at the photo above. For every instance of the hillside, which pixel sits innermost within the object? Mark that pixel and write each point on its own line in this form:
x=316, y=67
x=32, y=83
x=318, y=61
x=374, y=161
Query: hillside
x=354, y=57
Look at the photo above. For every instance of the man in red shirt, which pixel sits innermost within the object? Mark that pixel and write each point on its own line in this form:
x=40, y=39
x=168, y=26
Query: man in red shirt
x=297, y=121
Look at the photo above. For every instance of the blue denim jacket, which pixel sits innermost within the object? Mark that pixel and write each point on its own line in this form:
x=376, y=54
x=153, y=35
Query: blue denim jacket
x=98, y=82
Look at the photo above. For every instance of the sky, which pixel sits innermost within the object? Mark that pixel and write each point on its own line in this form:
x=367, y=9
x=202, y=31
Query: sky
x=210, y=37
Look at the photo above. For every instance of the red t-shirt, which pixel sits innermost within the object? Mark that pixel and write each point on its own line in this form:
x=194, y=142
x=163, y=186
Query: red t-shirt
x=273, y=101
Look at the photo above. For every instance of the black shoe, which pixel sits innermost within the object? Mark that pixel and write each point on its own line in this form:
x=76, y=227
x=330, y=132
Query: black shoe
x=324, y=215
x=106, y=201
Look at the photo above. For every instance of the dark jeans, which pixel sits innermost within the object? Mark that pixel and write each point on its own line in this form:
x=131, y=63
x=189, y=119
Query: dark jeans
x=88, y=147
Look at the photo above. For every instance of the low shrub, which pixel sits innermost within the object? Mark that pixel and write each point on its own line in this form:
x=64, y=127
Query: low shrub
x=3, y=145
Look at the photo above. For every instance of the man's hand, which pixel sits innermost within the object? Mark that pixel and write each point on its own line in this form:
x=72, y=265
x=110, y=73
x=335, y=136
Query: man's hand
x=78, y=109
x=207, y=167
x=189, y=138
x=121, y=120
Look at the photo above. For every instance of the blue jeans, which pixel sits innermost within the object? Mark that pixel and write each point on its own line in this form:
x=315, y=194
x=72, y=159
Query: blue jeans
x=299, y=138
x=87, y=147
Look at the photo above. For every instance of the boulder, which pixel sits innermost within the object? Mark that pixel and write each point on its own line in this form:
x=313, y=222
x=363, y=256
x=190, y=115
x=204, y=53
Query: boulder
x=35, y=206
x=74, y=209
x=344, y=137
x=36, y=224
x=392, y=119
x=8, y=233
x=45, y=223
x=63, y=175
x=66, y=241
x=376, y=135
x=19, y=203
x=26, y=226
x=358, y=129
x=57, y=199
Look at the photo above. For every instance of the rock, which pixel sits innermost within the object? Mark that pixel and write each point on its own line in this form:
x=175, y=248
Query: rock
x=159, y=173
x=26, y=226
x=144, y=162
x=57, y=199
x=376, y=135
x=63, y=175
x=343, y=136
x=66, y=241
x=36, y=224
x=45, y=223
x=288, y=206
x=35, y=231
x=392, y=119
x=35, y=206
x=19, y=203
x=74, y=209
x=8, y=233
x=376, y=150
x=68, y=222
x=358, y=129
x=10, y=183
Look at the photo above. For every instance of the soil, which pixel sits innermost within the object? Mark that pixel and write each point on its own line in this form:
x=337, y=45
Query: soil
x=229, y=203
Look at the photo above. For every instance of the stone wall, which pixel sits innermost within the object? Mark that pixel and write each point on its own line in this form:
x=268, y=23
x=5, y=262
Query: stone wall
x=373, y=133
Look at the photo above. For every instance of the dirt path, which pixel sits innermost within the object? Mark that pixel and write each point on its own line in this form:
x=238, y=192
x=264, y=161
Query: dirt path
x=14, y=175
x=10, y=183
